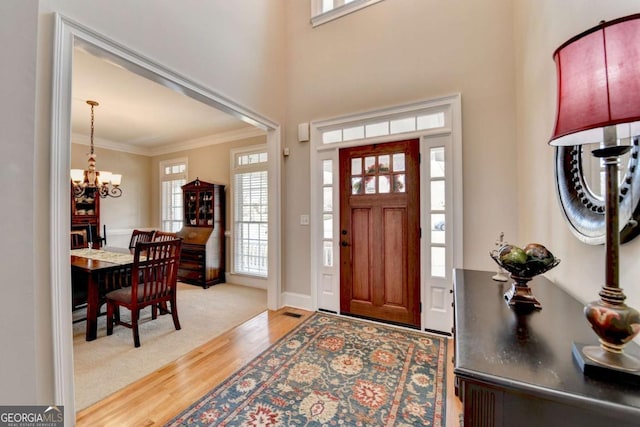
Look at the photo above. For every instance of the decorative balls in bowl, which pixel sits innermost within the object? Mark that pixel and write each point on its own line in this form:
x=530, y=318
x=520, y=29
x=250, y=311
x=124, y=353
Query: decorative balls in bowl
x=525, y=262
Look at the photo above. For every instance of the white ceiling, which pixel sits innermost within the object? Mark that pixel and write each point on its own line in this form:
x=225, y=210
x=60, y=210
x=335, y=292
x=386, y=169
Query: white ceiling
x=139, y=115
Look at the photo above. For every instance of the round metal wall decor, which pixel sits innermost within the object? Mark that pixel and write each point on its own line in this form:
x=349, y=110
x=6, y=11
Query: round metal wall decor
x=584, y=210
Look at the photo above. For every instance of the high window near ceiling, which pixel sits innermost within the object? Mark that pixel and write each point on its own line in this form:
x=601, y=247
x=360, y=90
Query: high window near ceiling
x=173, y=175
x=327, y=10
x=250, y=211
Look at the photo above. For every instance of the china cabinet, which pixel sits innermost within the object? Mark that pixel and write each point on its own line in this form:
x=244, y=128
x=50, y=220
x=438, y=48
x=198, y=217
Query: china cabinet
x=202, y=260
x=199, y=200
x=85, y=215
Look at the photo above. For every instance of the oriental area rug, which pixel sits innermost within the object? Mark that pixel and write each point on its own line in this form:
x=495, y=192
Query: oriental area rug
x=333, y=371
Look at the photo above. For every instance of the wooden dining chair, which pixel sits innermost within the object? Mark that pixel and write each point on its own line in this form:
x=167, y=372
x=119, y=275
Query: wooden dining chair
x=140, y=236
x=154, y=277
x=78, y=239
x=160, y=236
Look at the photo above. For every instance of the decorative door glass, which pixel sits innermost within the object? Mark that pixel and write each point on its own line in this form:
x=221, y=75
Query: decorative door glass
x=380, y=175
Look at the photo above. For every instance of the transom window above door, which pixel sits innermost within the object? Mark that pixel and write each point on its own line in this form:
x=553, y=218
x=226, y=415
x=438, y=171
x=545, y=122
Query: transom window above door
x=378, y=174
x=400, y=124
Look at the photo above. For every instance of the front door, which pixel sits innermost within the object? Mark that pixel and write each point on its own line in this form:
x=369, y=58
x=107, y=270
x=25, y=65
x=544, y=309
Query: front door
x=380, y=232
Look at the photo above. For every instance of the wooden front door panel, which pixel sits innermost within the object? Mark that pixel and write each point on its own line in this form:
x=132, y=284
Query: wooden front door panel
x=394, y=256
x=380, y=232
x=361, y=254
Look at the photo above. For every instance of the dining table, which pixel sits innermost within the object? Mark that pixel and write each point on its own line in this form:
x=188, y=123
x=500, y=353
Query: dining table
x=97, y=272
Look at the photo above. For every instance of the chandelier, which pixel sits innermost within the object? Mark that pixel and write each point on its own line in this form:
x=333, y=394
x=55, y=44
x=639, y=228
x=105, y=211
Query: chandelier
x=90, y=181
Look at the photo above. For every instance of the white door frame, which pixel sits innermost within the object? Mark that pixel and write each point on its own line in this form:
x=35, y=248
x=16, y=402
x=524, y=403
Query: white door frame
x=67, y=35
x=325, y=280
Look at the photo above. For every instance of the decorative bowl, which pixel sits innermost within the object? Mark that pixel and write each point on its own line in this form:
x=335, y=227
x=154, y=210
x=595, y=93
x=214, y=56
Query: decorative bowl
x=519, y=296
x=531, y=268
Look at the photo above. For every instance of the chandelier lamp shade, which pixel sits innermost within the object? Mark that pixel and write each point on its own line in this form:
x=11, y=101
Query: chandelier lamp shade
x=90, y=181
x=598, y=74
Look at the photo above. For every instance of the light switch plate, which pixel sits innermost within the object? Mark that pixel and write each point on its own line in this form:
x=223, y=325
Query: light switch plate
x=304, y=219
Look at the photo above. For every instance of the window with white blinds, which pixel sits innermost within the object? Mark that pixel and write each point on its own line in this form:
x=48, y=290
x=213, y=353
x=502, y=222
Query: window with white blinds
x=251, y=214
x=173, y=175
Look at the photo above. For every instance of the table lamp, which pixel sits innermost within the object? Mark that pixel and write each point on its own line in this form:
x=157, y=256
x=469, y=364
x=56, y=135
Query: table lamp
x=598, y=91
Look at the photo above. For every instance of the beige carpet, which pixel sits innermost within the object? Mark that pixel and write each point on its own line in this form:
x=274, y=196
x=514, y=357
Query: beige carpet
x=109, y=363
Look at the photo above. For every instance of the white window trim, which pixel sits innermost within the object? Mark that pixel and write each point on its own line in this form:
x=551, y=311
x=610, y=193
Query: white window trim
x=161, y=178
x=319, y=18
x=249, y=280
x=452, y=106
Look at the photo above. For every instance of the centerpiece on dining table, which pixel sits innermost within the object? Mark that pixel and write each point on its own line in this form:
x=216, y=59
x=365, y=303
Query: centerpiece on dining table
x=523, y=264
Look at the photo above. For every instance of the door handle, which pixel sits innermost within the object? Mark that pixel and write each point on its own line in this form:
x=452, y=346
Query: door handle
x=344, y=244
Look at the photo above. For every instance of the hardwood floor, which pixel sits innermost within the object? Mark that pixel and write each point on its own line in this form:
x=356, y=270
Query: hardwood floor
x=155, y=399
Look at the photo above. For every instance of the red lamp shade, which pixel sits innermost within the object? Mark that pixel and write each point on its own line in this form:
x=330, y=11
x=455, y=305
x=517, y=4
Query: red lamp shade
x=598, y=80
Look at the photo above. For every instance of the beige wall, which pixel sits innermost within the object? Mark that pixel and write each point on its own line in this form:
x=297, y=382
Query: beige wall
x=133, y=208
x=25, y=371
x=398, y=52
x=542, y=27
x=236, y=48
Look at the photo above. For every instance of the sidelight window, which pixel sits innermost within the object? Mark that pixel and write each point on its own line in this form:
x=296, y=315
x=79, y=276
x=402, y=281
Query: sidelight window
x=327, y=213
x=437, y=208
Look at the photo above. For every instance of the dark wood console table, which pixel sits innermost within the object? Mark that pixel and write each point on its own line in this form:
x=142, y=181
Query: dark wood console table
x=518, y=370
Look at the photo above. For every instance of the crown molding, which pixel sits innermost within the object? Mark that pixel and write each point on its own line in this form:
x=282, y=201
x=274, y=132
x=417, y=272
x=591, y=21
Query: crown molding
x=206, y=141
x=108, y=144
x=173, y=147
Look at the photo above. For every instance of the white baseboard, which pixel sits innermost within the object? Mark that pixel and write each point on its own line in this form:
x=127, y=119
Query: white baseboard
x=252, y=282
x=294, y=300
